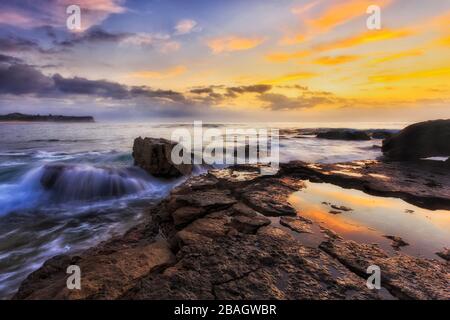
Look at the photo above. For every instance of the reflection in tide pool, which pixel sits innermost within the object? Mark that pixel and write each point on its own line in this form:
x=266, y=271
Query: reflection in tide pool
x=371, y=217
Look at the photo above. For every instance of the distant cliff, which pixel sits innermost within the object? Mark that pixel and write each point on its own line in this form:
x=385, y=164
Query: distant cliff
x=47, y=118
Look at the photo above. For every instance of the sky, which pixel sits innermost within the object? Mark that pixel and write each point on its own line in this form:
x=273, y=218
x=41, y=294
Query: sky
x=233, y=60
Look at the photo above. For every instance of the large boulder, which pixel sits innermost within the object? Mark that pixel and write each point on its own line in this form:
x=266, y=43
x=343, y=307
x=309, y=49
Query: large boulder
x=154, y=156
x=339, y=134
x=420, y=140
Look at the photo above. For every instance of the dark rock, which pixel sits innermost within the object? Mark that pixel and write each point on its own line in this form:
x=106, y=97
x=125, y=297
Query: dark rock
x=296, y=224
x=397, y=242
x=184, y=215
x=420, y=140
x=344, y=135
x=267, y=265
x=404, y=276
x=243, y=210
x=104, y=276
x=444, y=254
x=269, y=196
x=51, y=175
x=247, y=224
x=380, y=134
x=154, y=156
x=341, y=208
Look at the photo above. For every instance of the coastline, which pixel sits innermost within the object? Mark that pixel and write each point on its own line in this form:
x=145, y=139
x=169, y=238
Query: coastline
x=232, y=234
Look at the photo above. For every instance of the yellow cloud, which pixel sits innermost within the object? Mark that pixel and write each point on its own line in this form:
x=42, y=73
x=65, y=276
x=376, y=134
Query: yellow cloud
x=359, y=39
x=411, y=75
x=364, y=38
x=341, y=12
x=290, y=77
x=445, y=41
x=336, y=60
x=233, y=43
x=151, y=74
x=291, y=39
x=283, y=57
x=398, y=55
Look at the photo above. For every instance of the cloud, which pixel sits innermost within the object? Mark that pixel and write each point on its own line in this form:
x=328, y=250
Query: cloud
x=276, y=101
x=94, y=35
x=334, y=60
x=97, y=35
x=294, y=86
x=230, y=92
x=168, y=95
x=186, y=26
x=290, y=39
x=20, y=79
x=11, y=17
x=145, y=39
x=257, y=88
x=202, y=90
x=340, y=12
x=366, y=37
x=233, y=43
x=9, y=59
x=398, y=55
x=82, y=86
x=163, y=74
x=290, y=77
x=419, y=74
x=16, y=44
x=169, y=46
x=28, y=14
x=17, y=78
x=283, y=57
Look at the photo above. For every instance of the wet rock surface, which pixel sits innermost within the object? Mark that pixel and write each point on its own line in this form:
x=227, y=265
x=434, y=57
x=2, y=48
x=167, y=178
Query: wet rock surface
x=154, y=156
x=404, y=276
x=444, y=254
x=420, y=140
x=352, y=135
x=397, y=241
x=211, y=238
x=297, y=224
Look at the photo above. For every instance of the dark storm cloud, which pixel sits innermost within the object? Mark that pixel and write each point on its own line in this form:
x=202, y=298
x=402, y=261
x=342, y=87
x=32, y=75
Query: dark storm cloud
x=281, y=102
x=82, y=86
x=16, y=44
x=144, y=91
x=17, y=78
x=294, y=86
x=9, y=59
x=93, y=35
x=257, y=88
x=205, y=90
x=209, y=95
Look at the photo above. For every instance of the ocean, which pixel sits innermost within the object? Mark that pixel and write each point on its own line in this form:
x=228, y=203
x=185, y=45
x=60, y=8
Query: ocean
x=101, y=193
